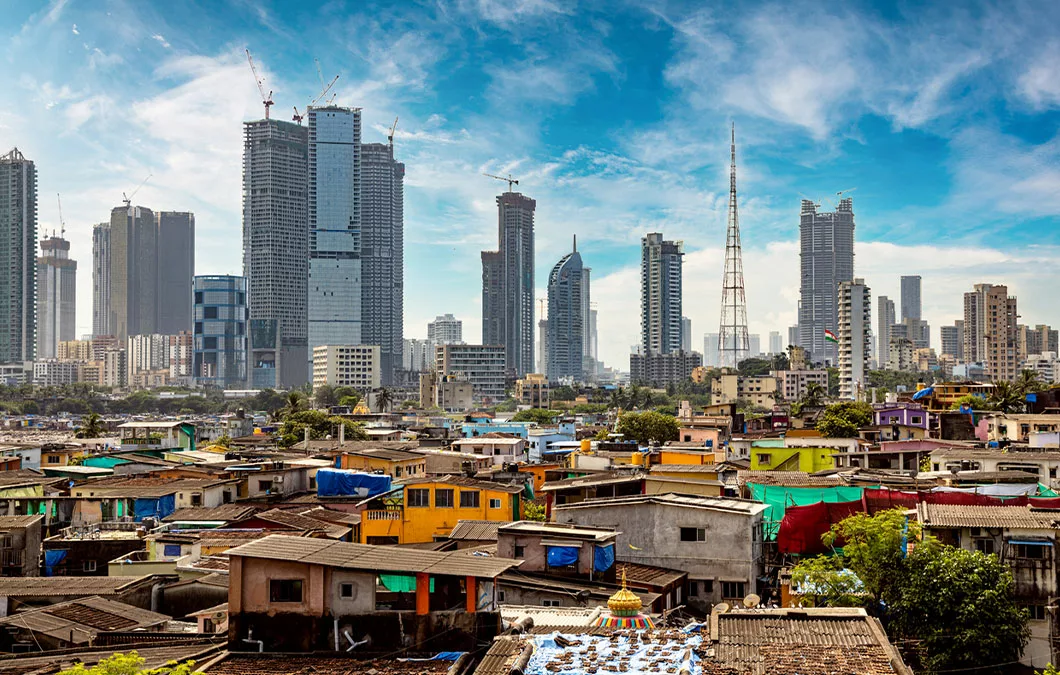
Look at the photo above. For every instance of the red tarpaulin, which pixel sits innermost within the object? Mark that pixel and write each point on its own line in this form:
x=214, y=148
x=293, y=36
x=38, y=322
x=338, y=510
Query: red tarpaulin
x=803, y=526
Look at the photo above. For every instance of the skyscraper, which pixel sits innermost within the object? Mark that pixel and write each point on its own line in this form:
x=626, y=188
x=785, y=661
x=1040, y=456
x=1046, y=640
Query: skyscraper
x=176, y=267
x=686, y=334
x=776, y=342
x=826, y=259
x=660, y=294
x=1000, y=335
x=334, y=226
x=103, y=318
x=508, y=284
x=735, y=345
x=948, y=336
x=884, y=321
x=974, y=343
x=56, y=296
x=855, y=327
x=446, y=329
x=220, y=338
x=588, y=329
x=566, y=319
x=275, y=251
x=134, y=277
x=754, y=345
x=711, y=354
x=382, y=255
x=18, y=257
x=911, y=297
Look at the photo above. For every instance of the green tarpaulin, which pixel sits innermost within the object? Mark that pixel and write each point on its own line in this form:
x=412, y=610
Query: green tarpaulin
x=401, y=583
x=779, y=497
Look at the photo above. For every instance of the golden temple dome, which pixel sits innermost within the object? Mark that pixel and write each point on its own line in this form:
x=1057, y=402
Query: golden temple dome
x=624, y=602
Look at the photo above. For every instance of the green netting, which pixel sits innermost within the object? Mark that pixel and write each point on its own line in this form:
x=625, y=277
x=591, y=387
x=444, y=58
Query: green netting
x=778, y=498
x=401, y=583
x=1044, y=491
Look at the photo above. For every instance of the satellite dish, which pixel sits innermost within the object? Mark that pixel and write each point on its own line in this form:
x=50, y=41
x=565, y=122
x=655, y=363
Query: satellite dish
x=752, y=601
x=720, y=608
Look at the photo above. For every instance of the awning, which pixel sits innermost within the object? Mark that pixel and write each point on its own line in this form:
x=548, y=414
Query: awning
x=1029, y=542
x=561, y=556
x=603, y=558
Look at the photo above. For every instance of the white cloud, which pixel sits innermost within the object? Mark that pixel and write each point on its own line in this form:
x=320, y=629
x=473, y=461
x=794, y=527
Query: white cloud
x=74, y=30
x=160, y=40
x=509, y=12
x=1039, y=84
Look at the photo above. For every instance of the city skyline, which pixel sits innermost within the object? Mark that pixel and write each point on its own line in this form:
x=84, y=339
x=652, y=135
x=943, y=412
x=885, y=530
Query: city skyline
x=984, y=174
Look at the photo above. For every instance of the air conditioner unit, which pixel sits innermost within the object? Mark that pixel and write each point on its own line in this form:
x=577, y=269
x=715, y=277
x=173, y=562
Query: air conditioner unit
x=278, y=479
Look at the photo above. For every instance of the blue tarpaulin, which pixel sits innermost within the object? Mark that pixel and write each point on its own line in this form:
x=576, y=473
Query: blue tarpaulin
x=154, y=507
x=561, y=556
x=604, y=558
x=927, y=391
x=342, y=483
x=52, y=558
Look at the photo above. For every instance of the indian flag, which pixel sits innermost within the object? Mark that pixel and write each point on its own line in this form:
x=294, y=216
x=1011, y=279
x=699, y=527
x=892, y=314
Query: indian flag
x=829, y=336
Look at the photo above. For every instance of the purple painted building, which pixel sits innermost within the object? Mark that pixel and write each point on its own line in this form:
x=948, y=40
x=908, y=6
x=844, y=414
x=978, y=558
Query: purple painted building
x=902, y=414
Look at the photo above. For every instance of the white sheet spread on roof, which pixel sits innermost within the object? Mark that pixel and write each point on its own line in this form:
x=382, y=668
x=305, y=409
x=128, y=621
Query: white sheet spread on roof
x=631, y=655
x=1002, y=490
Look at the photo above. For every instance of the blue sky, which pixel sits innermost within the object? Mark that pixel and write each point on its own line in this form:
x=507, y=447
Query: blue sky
x=615, y=117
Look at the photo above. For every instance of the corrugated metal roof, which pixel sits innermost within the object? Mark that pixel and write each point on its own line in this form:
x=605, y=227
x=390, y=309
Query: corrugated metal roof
x=684, y=468
x=371, y=558
x=463, y=481
x=476, y=530
x=789, y=478
x=154, y=657
x=11, y=522
x=1012, y=517
x=224, y=512
x=43, y=586
x=83, y=618
x=293, y=664
x=302, y=522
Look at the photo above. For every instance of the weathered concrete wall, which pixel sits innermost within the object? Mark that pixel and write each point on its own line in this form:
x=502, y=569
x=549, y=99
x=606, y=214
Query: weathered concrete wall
x=363, y=586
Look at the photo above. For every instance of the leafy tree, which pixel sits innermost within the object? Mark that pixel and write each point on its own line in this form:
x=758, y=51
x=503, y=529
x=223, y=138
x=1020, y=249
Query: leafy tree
x=842, y=420
x=824, y=582
x=324, y=396
x=833, y=381
x=294, y=402
x=129, y=664
x=1050, y=669
x=30, y=408
x=563, y=393
x=384, y=399
x=1006, y=397
x=649, y=427
x=957, y=609
x=1030, y=382
x=972, y=401
x=320, y=424
x=91, y=427
x=813, y=396
x=224, y=441
x=533, y=511
x=872, y=548
x=537, y=415
x=754, y=367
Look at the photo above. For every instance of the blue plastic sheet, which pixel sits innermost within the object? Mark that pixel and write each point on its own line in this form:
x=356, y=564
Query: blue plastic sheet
x=603, y=558
x=341, y=483
x=154, y=507
x=52, y=558
x=561, y=556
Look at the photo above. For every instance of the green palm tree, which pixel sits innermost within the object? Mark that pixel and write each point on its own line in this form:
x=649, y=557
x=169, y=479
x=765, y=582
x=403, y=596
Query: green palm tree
x=295, y=402
x=1029, y=381
x=1006, y=397
x=814, y=395
x=91, y=427
x=384, y=399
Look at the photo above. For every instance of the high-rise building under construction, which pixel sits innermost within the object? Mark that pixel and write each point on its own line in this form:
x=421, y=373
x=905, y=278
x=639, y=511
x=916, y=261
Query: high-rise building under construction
x=508, y=284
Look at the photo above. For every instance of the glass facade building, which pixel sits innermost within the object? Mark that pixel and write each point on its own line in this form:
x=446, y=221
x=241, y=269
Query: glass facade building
x=220, y=338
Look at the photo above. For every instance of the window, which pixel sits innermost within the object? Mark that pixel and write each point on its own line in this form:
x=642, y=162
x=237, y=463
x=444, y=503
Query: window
x=1029, y=551
x=285, y=590
x=550, y=603
x=345, y=590
x=196, y=499
x=693, y=534
x=495, y=503
x=915, y=419
x=443, y=498
x=764, y=458
x=708, y=586
x=500, y=596
x=469, y=499
x=732, y=589
x=88, y=566
x=1035, y=612
x=209, y=312
x=984, y=545
x=419, y=497
x=264, y=486
x=53, y=459
x=520, y=551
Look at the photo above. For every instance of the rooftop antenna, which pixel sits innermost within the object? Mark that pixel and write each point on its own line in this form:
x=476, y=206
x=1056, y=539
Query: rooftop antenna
x=511, y=181
x=266, y=99
x=733, y=341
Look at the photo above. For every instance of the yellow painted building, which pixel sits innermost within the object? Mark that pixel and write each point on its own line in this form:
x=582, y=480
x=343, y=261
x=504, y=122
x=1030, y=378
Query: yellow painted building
x=429, y=508
x=809, y=460
x=685, y=456
x=398, y=464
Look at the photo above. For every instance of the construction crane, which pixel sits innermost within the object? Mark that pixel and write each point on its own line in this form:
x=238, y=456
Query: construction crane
x=511, y=181
x=62, y=223
x=128, y=198
x=843, y=192
x=390, y=135
x=299, y=116
x=266, y=99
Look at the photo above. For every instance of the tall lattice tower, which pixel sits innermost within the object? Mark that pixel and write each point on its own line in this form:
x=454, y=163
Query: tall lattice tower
x=732, y=338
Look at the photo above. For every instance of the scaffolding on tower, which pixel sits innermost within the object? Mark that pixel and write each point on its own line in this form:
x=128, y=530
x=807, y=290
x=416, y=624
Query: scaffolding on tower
x=733, y=342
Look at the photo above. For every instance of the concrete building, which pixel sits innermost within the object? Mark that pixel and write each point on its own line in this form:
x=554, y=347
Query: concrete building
x=542, y=345
x=792, y=384
x=1045, y=364
x=660, y=294
x=74, y=350
x=659, y=370
x=484, y=366
x=102, y=309
x=335, y=235
x=760, y=392
x=417, y=356
x=354, y=366
x=56, y=296
x=948, y=335
x=826, y=259
x=451, y=393
x=53, y=372
x=18, y=258
x=508, y=284
x=276, y=250
x=754, y=345
x=566, y=318
x=776, y=342
x=717, y=541
x=115, y=369
x=855, y=346
x=911, y=306
x=900, y=354
x=884, y=320
x=990, y=333
x=686, y=334
x=1035, y=340
x=711, y=353
x=134, y=279
x=532, y=391
x=383, y=254
x=176, y=267
x=147, y=353
x=220, y=337
x=181, y=357
x=445, y=329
